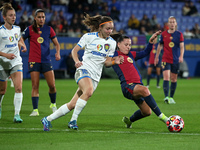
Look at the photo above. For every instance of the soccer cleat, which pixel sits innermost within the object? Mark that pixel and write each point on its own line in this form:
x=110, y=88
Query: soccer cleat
x=35, y=112
x=166, y=99
x=163, y=118
x=171, y=101
x=127, y=122
x=17, y=119
x=158, y=87
x=46, y=124
x=0, y=112
x=53, y=107
x=73, y=125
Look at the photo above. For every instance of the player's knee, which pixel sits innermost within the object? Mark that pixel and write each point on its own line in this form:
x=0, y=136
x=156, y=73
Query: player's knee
x=145, y=92
x=18, y=89
x=89, y=92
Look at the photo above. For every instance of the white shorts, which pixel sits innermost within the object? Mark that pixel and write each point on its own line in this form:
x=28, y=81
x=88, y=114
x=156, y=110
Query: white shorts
x=4, y=74
x=83, y=73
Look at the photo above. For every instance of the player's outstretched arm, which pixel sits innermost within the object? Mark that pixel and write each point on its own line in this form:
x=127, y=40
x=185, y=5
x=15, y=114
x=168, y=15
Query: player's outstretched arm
x=154, y=36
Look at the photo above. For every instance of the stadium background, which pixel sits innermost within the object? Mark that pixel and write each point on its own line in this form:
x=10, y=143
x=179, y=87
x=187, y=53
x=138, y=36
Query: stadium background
x=161, y=8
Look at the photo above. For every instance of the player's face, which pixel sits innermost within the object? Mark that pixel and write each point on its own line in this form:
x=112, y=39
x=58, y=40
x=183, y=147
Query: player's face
x=124, y=46
x=107, y=29
x=10, y=17
x=40, y=19
x=172, y=23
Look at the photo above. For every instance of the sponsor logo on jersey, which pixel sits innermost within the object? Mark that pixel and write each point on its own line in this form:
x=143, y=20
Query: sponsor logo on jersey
x=11, y=38
x=99, y=47
x=106, y=47
x=130, y=60
x=171, y=44
x=16, y=36
x=40, y=40
x=4, y=38
x=10, y=45
x=98, y=53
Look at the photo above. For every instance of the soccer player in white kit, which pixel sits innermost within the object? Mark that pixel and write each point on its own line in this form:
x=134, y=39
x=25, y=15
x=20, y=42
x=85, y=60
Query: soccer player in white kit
x=99, y=50
x=10, y=60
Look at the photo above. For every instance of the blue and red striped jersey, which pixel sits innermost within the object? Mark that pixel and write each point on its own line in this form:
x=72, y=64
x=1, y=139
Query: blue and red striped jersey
x=39, y=50
x=171, y=46
x=128, y=71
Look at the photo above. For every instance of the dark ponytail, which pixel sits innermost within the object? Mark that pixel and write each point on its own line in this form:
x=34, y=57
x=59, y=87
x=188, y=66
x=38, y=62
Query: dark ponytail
x=34, y=22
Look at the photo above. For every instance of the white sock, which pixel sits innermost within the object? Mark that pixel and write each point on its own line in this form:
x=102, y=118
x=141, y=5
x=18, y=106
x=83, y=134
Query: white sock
x=80, y=104
x=63, y=110
x=1, y=99
x=18, y=102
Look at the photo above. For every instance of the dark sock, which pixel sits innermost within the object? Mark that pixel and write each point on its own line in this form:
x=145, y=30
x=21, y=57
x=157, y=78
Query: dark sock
x=173, y=88
x=136, y=116
x=52, y=97
x=158, y=80
x=35, y=102
x=166, y=87
x=152, y=104
x=148, y=79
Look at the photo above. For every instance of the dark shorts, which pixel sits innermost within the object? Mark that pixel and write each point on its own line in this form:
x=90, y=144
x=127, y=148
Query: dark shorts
x=174, y=68
x=153, y=66
x=39, y=67
x=127, y=90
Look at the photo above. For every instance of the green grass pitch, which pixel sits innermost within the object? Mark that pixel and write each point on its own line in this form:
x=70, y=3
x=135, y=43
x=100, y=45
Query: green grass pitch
x=100, y=125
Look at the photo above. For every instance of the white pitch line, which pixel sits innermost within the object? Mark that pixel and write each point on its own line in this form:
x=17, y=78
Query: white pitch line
x=99, y=131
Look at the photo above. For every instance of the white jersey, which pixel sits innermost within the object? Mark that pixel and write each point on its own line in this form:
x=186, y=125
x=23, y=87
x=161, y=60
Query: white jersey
x=96, y=51
x=9, y=44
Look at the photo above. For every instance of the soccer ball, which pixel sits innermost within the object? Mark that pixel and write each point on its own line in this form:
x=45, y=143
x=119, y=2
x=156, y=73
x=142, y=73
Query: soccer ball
x=175, y=123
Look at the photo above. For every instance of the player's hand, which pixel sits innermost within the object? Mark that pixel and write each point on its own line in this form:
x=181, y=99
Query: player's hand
x=10, y=56
x=57, y=56
x=154, y=36
x=156, y=61
x=119, y=59
x=180, y=59
x=24, y=49
x=78, y=64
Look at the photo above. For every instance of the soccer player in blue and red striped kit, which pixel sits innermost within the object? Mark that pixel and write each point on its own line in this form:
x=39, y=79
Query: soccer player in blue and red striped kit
x=39, y=36
x=172, y=42
x=131, y=80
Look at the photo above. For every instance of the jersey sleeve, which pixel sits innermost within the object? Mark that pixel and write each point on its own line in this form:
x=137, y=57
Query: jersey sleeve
x=181, y=38
x=83, y=40
x=52, y=33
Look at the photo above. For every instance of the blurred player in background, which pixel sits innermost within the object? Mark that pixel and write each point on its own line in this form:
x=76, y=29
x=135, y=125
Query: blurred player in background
x=99, y=49
x=10, y=59
x=172, y=43
x=39, y=36
x=150, y=63
x=131, y=80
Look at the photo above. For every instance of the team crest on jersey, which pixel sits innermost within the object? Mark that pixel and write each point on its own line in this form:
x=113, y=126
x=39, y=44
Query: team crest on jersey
x=106, y=47
x=171, y=37
x=31, y=64
x=154, y=51
x=16, y=36
x=11, y=38
x=40, y=32
x=99, y=47
x=40, y=40
x=130, y=60
x=171, y=44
